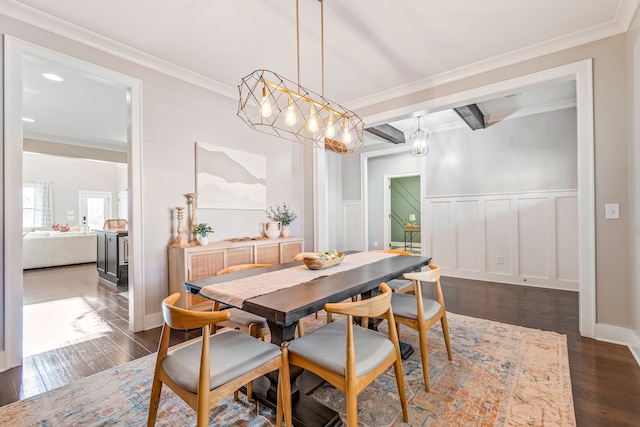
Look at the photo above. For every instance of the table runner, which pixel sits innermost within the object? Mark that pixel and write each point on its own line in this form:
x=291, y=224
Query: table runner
x=235, y=292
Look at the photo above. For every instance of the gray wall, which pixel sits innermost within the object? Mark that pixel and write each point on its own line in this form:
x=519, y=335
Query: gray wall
x=69, y=177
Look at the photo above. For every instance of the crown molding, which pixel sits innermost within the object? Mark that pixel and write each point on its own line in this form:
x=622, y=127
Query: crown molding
x=619, y=24
x=78, y=34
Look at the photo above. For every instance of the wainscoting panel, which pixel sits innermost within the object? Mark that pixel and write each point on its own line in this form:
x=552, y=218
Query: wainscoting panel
x=533, y=235
x=498, y=236
x=521, y=238
x=567, y=239
x=468, y=235
x=352, y=220
x=442, y=235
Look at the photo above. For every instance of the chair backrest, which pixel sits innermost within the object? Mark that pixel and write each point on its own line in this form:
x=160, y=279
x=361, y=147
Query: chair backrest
x=240, y=267
x=432, y=275
x=394, y=251
x=376, y=306
x=181, y=319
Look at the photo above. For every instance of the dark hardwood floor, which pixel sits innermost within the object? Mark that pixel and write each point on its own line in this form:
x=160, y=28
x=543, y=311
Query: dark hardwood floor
x=605, y=377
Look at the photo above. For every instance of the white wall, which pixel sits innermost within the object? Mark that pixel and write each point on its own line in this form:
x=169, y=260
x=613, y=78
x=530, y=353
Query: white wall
x=69, y=177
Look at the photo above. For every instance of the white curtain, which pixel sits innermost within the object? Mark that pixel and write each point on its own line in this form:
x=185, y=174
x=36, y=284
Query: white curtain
x=43, y=204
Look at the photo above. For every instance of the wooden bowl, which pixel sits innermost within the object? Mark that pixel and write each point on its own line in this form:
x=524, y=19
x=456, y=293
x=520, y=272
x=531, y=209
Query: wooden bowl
x=319, y=264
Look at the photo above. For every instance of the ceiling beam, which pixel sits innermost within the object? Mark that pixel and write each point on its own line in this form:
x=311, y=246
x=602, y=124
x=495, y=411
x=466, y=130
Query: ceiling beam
x=471, y=115
x=388, y=132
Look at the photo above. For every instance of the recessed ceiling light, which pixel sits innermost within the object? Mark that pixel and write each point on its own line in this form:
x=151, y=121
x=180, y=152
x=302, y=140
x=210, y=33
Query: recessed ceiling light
x=27, y=119
x=52, y=77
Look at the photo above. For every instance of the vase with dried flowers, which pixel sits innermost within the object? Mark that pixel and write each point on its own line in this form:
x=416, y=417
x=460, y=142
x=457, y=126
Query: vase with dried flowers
x=284, y=215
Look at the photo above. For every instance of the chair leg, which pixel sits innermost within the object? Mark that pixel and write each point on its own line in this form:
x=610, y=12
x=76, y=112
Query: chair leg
x=424, y=355
x=352, y=407
x=401, y=389
x=154, y=403
x=284, y=386
x=445, y=333
x=249, y=391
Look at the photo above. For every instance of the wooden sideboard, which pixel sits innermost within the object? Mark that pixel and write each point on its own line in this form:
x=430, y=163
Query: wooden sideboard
x=195, y=262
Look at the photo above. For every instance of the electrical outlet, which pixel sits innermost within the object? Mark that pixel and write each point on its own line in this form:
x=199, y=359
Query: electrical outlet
x=499, y=260
x=612, y=211
x=375, y=244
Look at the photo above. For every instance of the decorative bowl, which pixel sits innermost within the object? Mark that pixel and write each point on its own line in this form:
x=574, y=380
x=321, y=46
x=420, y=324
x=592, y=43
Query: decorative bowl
x=319, y=263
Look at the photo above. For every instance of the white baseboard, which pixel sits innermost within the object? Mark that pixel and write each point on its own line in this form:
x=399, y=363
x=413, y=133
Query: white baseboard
x=621, y=336
x=153, y=321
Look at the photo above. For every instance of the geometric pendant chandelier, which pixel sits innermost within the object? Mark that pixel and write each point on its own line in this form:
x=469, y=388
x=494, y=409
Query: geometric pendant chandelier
x=274, y=105
x=419, y=147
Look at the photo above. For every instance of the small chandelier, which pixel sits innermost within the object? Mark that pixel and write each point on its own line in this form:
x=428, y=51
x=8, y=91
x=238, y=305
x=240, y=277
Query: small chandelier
x=419, y=147
x=274, y=105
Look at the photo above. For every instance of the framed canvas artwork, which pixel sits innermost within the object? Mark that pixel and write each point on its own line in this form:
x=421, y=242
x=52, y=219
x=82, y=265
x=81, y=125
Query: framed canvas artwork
x=230, y=179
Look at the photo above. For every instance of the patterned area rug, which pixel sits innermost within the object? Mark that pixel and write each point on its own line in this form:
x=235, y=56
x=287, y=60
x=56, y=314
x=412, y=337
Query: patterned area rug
x=501, y=375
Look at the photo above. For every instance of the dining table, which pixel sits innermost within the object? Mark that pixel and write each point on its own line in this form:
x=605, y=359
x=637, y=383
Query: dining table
x=286, y=293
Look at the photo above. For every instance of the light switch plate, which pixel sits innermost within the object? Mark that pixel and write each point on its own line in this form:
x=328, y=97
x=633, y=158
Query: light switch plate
x=612, y=210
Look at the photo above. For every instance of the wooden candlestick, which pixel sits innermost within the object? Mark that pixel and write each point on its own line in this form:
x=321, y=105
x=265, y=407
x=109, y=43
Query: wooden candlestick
x=192, y=201
x=180, y=239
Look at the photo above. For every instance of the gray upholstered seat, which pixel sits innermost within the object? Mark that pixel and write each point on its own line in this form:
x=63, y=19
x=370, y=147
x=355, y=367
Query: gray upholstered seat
x=232, y=354
x=405, y=306
x=327, y=347
x=400, y=285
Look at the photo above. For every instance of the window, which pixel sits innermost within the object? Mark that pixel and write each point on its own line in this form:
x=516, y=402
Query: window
x=28, y=201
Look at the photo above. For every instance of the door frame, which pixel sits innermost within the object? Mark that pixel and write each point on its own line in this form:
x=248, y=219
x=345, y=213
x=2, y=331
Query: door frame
x=14, y=49
x=387, y=202
x=582, y=73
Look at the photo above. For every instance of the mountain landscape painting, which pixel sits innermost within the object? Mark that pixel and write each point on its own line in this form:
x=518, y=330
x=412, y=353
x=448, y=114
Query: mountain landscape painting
x=230, y=179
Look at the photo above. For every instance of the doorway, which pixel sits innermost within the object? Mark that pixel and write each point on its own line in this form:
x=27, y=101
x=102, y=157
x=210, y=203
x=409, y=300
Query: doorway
x=402, y=192
x=16, y=53
x=581, y=73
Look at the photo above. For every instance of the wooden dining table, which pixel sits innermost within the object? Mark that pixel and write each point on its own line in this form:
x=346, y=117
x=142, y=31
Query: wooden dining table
x=284, y=307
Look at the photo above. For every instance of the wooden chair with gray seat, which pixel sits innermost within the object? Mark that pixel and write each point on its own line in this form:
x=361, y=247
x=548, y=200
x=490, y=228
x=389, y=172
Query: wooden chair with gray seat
x=398, y=285
x=209, y=369
x=420, y=313
x=348, y=356
x=254, y=325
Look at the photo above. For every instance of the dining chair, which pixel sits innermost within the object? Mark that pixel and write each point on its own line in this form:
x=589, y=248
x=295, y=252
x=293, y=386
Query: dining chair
x=398, y=285
x=420, y=313
x=207, y=370
x=348, y=356
x=254, y=325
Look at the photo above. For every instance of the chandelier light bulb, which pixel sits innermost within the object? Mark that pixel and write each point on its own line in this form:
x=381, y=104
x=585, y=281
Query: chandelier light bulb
x=291, y=118
x=347, y=134
x=331, y=130
x=265, y=104
x=312, y=123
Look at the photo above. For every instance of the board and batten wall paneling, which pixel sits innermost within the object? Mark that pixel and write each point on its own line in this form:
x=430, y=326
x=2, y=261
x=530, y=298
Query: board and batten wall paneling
x=441, y=233
x=520, y=238
x=467, y=234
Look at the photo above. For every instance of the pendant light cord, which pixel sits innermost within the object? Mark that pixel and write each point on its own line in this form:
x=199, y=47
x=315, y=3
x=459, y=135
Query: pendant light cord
x=298, y=41
x=322, y=41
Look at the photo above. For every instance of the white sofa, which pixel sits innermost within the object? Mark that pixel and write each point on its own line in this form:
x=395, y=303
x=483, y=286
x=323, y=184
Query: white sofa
x=45, y=248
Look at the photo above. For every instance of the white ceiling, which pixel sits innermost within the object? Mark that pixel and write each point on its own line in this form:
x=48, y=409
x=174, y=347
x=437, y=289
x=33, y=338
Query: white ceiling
x=374, y=49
